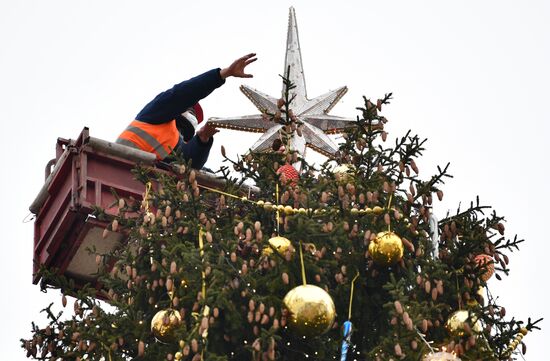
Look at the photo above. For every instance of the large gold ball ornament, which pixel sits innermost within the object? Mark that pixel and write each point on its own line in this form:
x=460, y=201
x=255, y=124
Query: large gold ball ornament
x=343, y=173
x=281, y=245
x=455, y=323
x=311, y=310
x=386, y=249
x=441, y=356
x=164, y=325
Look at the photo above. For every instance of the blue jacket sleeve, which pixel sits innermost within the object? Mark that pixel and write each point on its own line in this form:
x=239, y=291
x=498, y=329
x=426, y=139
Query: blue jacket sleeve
x=196, y=151
x=172, y=102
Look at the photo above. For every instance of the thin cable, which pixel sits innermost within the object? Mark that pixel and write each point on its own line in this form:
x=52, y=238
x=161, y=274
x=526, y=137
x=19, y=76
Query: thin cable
x=277, y=204
x=245, y=199
x=201, y=252
x=302, y=264
x=146, y=197
x=388, y=209
x=351, y=295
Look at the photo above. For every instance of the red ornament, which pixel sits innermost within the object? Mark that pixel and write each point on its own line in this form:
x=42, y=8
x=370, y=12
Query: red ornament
x=290, y=173
x=486, y=262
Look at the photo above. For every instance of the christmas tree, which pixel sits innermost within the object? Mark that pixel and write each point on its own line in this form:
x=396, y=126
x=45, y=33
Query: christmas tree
x=343, y=260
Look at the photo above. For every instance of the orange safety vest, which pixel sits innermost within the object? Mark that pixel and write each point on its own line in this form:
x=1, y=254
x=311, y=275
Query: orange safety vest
x=159, y=139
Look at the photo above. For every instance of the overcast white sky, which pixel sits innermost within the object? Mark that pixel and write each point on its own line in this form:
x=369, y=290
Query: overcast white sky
x=471, y=76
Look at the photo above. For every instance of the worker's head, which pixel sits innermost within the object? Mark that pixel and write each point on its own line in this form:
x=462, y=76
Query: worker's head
x=189, y=120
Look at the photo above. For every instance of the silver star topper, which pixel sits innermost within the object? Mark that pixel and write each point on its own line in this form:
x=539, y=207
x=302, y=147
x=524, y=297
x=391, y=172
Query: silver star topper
x=312, y=113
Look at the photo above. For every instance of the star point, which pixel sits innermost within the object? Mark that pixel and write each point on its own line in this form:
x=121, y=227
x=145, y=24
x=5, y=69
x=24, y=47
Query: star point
x=313, y=113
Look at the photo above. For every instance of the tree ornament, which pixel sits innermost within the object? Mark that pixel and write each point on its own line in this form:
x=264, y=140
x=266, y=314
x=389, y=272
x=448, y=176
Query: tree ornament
x=377, y=210
x=348, y=326
x=441, y=356
x=281, y=245
x=343, y=173
x=487, y=264
x=290, y=173
x=516, y=341
x=346, y=341
x=386, y=249
x=164, y=325
x=456, y=323
x=434, y=235
x=312, y=311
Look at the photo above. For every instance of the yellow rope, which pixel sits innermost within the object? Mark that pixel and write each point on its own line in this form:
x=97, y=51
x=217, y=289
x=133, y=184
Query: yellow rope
x=201, y=252
x=227, y=194
x=146, y=196
x=206, y=308
x=277, y=203
x=302, y=265
x=351, y=294
x=388, y=210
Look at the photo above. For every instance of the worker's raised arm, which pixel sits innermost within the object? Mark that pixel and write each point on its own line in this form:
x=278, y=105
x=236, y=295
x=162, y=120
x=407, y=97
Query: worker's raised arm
x=172, y=102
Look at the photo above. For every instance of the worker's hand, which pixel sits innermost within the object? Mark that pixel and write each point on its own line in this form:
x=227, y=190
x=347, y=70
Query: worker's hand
x=236, y=69
x=206, y=132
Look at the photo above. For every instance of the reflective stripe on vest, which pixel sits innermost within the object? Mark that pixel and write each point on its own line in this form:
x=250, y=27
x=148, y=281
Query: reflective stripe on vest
x=127, y=143
x=160, y=139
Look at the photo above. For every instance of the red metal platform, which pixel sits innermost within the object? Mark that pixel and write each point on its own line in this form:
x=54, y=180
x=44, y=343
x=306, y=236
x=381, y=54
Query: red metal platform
x=86, y=172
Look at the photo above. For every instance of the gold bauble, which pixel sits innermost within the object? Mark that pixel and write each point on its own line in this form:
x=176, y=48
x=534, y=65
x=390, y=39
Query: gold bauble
x=289, y=210
x=343, y=173
x=386, y=249
x=311, y=310
x=440, y=356
x=455, y=323
x=280, y=244
x=164, y=325
x=377, y=210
